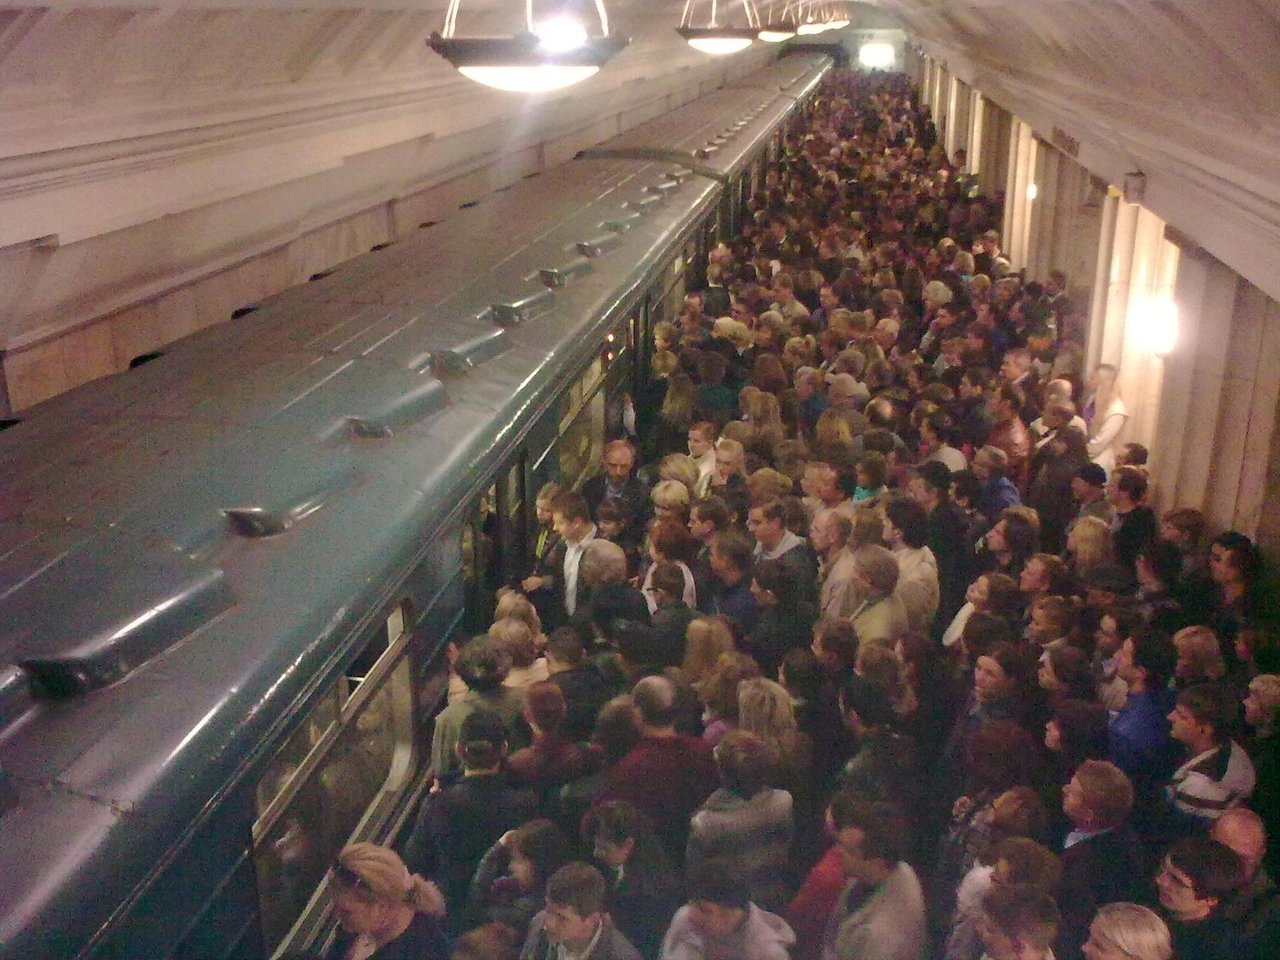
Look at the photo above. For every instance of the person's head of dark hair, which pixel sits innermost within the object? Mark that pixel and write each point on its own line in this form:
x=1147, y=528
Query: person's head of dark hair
x=545, y=706
x=874, y=467
x=910, y=518
x=672, y=540
x=773, y=576
x=1154, y=653
x=669, y=578
x=566, y=646
x=979, y=377
x=1092, y=474
x=1135, y=454
x=966, y=486
x=742, y=761
x=544, y=845
x=1021, y=535
x=941, y=424
x=1164, y=560
x=1212, y=867
x=803, y=674
x=1029, y=918
x=713, y=510
x=609, y=512
x=868, y=700
x=617, y=729
x=483, y=664
x=877, y=441
x=839, y=639
x=612, y=610
x=984, y=632
x=1011, y=394
x=1212, y=706
x=735, y=547
x=1002, y=754
x=578, y=886
x=655, y=700
x=936, y=477
x=1073, y=668
x=885, y=835
x=482, y=739
x=718, y=882
x=1131, y=481
x=617, y=822
x=881, y=414
x=1082, y=730
x=571, y=506
x=1243, y=553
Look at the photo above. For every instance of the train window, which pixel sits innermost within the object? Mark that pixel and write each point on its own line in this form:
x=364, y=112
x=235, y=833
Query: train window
x=324, y=786
x=582, y=424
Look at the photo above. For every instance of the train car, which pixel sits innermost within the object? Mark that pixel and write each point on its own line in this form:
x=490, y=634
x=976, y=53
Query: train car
x=227, y=577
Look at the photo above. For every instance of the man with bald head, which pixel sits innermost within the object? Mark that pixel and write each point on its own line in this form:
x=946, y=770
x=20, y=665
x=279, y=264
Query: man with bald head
x=1255, y=906
x=667, y=774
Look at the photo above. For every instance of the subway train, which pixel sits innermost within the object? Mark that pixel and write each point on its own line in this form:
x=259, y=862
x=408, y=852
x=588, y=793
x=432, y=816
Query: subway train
x=228, y=576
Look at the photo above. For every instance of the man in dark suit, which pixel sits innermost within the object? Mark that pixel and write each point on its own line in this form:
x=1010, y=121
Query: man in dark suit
x=571, y=519
x=1102, y=861
x=618, y=483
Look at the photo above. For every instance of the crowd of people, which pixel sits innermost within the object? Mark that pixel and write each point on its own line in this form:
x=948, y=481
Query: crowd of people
x=868, y=644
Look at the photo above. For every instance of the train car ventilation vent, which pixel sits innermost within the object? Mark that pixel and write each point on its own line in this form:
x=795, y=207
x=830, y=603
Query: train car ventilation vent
x=515, y=312
x=556, y=277
x=705, y=152
x=145, y=358
x=109, y=633
x=320, y=275
x=381, y=246
x=644, y=204
x=427, y=224
x=363, y=428
x=464, y=356
x=7, y=422
x=469, y=204
x=622, y=224
x=598, y=246
x=239, y=312
x=664, y=188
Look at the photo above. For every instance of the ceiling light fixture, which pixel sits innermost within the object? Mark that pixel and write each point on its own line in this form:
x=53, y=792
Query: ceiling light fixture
x=776, y=27
x=548, y=54
x=702, y=27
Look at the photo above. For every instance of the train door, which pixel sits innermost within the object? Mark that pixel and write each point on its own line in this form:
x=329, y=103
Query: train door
x=482, y=559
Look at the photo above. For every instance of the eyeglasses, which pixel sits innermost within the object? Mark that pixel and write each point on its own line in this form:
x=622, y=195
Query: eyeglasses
x=1167, y=871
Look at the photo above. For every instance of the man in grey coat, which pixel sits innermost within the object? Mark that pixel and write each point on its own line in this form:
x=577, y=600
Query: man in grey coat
x=574, y=923
x=880, y=913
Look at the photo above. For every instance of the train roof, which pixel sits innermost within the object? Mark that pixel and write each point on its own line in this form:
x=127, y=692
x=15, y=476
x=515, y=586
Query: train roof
x=186, y=547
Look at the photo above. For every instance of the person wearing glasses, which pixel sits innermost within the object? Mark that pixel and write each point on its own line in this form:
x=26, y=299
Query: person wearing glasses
x=383, y=911
x=1198, y=875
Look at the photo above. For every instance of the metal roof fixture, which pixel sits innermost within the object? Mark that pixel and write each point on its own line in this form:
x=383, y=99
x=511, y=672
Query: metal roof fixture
x=550, y=53
x=598, y=246
x=719, y=28
x=560, y=276
x=778, y=22
x=512, y=313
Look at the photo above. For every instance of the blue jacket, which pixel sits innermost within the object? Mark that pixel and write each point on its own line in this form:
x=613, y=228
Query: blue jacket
x=996, y=495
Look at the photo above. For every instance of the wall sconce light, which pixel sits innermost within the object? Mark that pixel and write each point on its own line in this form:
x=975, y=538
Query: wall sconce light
x=1033, y=191
x=1157, y=325
x=546, y=55
x=702, y=27
x=1135, y=186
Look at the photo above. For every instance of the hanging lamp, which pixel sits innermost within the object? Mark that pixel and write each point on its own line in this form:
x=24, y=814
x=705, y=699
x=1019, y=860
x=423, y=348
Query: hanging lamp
x=704, y=28
x=778, y=26
x=548, y=54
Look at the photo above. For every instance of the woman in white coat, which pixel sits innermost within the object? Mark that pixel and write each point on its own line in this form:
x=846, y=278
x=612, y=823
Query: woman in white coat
x=1105, y=413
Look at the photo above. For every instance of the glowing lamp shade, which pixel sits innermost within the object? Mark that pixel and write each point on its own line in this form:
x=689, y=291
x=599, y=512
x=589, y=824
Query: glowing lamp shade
x=539, y=79
x=718, y=41
x=1033, y=191
x=776, y=35
x=1157, y=325
x=810, y=29
x=838, y=24
x=719, y=46
x=876, y=56
x=557, y=54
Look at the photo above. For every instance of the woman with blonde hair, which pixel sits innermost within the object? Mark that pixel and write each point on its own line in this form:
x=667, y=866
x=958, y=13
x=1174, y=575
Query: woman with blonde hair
x=705, y=640
x=768, y=484
x=1089, y=545
x=719, y=694
x=681, y=467
x=1199, y=656
x=833, y=440
x=1126, y=931
x=766, y=709
x=1104, y=414
x=384, y=912
x=763, y=412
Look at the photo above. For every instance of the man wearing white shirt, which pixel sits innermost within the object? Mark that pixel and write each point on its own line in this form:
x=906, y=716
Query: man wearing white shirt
x=571, y=518
x=702, y=449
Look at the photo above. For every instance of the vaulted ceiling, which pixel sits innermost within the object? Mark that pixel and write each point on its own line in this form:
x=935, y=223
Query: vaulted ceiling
x=116, y=116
